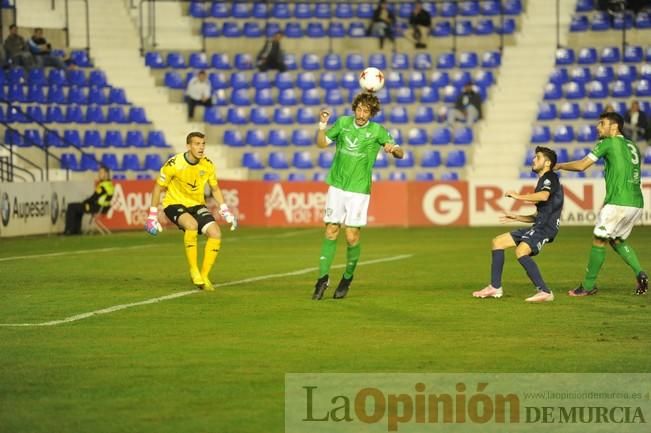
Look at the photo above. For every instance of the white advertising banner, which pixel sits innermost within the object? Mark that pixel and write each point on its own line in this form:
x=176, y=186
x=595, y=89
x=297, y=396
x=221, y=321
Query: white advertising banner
x=38, y=207
x=583, y=200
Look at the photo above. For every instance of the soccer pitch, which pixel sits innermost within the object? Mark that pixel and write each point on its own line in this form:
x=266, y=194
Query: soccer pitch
x=161, y=357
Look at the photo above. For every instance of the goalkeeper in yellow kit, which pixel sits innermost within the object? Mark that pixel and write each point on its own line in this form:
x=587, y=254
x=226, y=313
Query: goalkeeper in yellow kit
x=183, y=178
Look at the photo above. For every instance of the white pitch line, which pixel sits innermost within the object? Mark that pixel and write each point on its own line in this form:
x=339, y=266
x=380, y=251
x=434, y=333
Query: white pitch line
x=149, y=245
x=114, y=308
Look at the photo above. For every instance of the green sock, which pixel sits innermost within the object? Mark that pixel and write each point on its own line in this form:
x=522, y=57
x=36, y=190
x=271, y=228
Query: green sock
x=628, y=255
x=352, y=257
x=328, y=248
x=597, y=258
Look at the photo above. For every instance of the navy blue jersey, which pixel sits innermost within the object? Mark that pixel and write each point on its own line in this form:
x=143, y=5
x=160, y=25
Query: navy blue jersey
x=549, y=211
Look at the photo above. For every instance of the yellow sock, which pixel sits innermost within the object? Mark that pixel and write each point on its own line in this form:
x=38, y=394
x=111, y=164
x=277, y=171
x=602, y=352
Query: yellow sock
x=190, y=242
x=210, y=255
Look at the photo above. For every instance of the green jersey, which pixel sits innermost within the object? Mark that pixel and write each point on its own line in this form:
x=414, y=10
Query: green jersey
x=355, y=153
x=622, y=170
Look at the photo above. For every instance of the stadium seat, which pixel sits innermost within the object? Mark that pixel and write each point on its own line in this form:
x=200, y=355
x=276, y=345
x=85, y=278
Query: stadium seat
x=77, y=95
x=417, y=136
x=564, y=134
x=34, y=112
x=92, y=138
x=176, y=61
x=399, y=61
x=110, y=160
x=130, y=162
x=450, y=176
x=460, y=78
x=302, y=160
x=484, y=27
x=72, y=137
x=512, y=7
x=393, y=80
x=287, y=97
x=450, y=94
x=407, y=161
x=564, y=56
x=255, y=137
x=173, y=80
x=213, y=116
x=426, y=176
x=263, y=97
x=210, y=30
x=431, y=159
x=573, y=90
x=301, y=137
x=311, y=97
x=154, y=60
x=80, y=58
x=325, y=159
x=468, y=60
x=271, y=177
x=399, y=115
x=579, y=23
x=610, y=55
x=221, y=61
x=332, y=62
x=354, y=62
x=592, y=110
x=53, y=139
x=464, y=28
x=397, y=176
x=113, y=138
x=152, y=162
x=621, y=89
x=381, y=161
x=587, y=133
x=278, y=161
x=462, y=135
x=116, y=115
x=306, y=80
x=559, y=76
x=626, y=73
x=604, y=73
x=423, y=61
x=75, y=115
x=569, y=111
x=491, y=59
x=356, y=30
x=643, y=20
x=546, y=111
x=306, y=116
x=243, y=62
x=54, y=114
x=424, y=114
x=260, y=116
x=296, y=177
x=441, y=136
x=157, y=139
x=241, y=98
x=233, y=138
x=377, y=60
x=283, y=116
x=88, y=162
x=69, y=161
x=417, y=79
x=137, y=115
x=643, y=88
x=456, y=158
x=580, y=74
x=32, y=137
x=396, y=134
x=278, y=138
x=540, y=134
x=446, y=61
x=405, y=95
x=334, y=97
x=316, y=30
x=237, y=116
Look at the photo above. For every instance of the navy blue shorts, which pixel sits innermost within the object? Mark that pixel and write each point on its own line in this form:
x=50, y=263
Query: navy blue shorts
x=534, y=237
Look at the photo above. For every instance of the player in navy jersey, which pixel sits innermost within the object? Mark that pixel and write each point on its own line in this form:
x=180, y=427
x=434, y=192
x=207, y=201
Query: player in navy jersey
x=528, y=242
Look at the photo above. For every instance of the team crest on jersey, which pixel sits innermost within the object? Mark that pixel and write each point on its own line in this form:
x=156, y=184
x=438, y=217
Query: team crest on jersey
x=352, y=145
x=202, y=173
x=368, y=134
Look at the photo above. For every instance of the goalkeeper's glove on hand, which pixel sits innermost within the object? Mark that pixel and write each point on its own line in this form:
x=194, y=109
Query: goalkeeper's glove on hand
x=152, y=226
x=228, y=216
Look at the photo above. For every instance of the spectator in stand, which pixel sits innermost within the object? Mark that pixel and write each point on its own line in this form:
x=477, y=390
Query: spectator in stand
x=100, y=201
x=382, y=24
x=609, y=108
x=42, y=51
x=17, y=49
x=467, y=108
x=636, y=124
x=198, y=92
x=271, y=56
x=421, y=23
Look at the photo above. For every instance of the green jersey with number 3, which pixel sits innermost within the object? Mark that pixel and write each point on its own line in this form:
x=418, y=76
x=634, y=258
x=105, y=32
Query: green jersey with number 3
x=622, y=170
x=355, y=153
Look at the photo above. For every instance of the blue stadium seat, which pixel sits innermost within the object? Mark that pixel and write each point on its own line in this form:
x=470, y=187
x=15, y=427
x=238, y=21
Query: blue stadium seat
x=237, y=116
x=574, y=90
x=16, y=93
x=424, y=114
x=233, y=138
x=316, y=30
x=302, y=10
x=173, y=80
x=355, y=62
x=484, y=27
x=468, y=60
x=643, y=20
x=564, y=134
x=260, y=116
x=36, y=93
x=584, y=6
x=431, y=159
x=416, y=136
x=130, y=162
x=450, y=176
x=54, y=114
x=137, y=115
x=645, y=72
x=356, y=30
x=446, y=61
x=448, y=9
x=456, y=158
x=69, y=161
x=176, y=61
x=399, y=61
x=116, y=115
x=72, y=137
x=255, y=138
x=153, y=162
x=283, y=116
x=559, y=76
x=110, y=160
x=53, y=139
x=328, y=81
x=157, y=139
x=643, y=88
x=579, y=23
x=243, y=62
x=218, y=80
x=592, y=110
x=462, y=135
x=540, y=134
x=80, y=58
x=278, y=161
x=311, y=97
x=325, y=159
x=220, y=10
x=441, y=136
x=460, y=78
x=587, y=133
x=425, y=176
x=92, y=138
x=491, y=59
x=301, y=137
x=252, y=161
x=587, y=56
x=306, y=116
x=13, y=137
x=396, y=134
x=287, y=97
x=263, y=97
x=422, y=61
x=569, y=111
x=113, y=138
x=221, y=61
x=319, y=176
x=350, y=81
x=397, y=176
x=32, y=137
x=306, y=80
x=36, y=76
x=88, y=162
x=450, y=94
x=290, y=62
x=209, y=29
x=626, y=73
x=621, y=89
x=610, y=55
x=302, y=160
x=213, y=116
x=94, y=114
x=293, y=30
x=398, y=115
x=580, y=74
x=252, y=29
x=564, y=56
x=241, y=98
x=507, y=28
x=332, y=62
x=381, y=161
x=154, y=60
x=377, y=60
x=198, y=61
x=278, y=138
x=239, y=80
x=34, y=112
x=604, y=73
x=417, y=79
x=621, y=21
x=442, y=29
x=334, y=97
x=405, y=95
x=464, y=28
x=284, y=80
x=310, y=62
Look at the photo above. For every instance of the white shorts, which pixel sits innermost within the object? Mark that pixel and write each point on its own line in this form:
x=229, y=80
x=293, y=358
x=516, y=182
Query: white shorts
x=616, y=221
x=344, y=207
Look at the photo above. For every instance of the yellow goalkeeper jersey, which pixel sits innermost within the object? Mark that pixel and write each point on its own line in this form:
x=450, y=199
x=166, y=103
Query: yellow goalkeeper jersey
x=185, y=182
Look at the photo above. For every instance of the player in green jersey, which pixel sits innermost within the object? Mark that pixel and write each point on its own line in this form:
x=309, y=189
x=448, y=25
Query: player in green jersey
x=357, y=142
x=623, y=203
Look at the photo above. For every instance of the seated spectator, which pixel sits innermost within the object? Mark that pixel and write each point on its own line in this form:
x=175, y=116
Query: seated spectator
x=198, y=92
x=271, y=56
x=636, y=124
x=421, y=23
x=382, y=24
x=42, y=51
x=100, y=201
x=17, y=49
x=467, y=107
x=609, y=108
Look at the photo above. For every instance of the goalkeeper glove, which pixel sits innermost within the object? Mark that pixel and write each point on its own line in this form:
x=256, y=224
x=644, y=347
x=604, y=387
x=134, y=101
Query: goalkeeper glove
x=228, y=216
x=152, y=226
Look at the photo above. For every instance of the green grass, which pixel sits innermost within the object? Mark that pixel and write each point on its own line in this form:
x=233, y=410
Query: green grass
x=215, y=362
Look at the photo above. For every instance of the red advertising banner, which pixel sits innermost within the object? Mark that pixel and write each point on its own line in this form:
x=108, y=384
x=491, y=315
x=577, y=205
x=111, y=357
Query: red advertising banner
x=301, y=204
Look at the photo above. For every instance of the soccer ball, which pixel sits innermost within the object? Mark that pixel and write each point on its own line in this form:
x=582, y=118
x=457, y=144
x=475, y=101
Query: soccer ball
x=371, y=79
